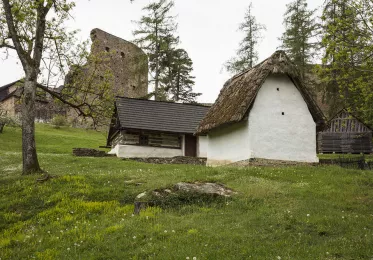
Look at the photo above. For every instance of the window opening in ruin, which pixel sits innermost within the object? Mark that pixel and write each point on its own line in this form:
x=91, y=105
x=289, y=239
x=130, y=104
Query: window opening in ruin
x=144, y=140
x=283, y=113
x=107, y=49
x=278, y=89
x=123, y=55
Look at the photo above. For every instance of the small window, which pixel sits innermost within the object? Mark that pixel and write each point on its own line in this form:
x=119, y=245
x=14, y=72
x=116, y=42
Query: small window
x=107, y=49
x=122, y=55
x=283, y=113
x=144, y=140
x=278, y=89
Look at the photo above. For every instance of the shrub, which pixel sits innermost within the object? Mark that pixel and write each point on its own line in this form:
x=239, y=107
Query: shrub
x=59, y=121
x=8, y=120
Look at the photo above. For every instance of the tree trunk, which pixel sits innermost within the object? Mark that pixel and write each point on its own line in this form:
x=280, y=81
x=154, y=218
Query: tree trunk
x=157, y=63
x=30, y=159
x=178, y=84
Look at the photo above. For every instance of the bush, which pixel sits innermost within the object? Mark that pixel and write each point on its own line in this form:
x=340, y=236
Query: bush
x=59, y=121
x=8, y=120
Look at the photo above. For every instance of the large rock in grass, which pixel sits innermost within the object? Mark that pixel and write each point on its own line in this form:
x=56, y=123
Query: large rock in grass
x=204, y=188
x=182, y=192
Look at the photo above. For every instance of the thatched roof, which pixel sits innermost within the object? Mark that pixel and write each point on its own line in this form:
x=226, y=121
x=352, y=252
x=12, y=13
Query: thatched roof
x=238, y=94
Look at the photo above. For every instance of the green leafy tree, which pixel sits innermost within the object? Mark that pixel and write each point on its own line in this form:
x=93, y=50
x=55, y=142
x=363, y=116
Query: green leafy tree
x=300, y=30
x=26, y=27
x=36, y=31
x=88, y=88
x=247, y=54
x=155, y=35
x=347, y=64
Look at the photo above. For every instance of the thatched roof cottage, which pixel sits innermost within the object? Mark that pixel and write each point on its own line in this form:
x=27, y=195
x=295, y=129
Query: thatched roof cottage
x=265, y=112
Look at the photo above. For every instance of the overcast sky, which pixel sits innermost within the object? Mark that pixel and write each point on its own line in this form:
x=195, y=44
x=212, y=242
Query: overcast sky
x=207, y=29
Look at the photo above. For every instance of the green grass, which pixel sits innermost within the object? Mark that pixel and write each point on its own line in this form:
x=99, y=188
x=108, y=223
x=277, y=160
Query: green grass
x=368, y=157
x=86, y=211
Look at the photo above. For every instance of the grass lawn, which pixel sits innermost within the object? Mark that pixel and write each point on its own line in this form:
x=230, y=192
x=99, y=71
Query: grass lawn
x=86, y=211
x=368, y=157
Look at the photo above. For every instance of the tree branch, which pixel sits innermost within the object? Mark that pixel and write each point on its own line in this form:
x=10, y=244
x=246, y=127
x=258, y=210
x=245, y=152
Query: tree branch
x=60, y=98
x=25, y=59
x=5, y=45
x=40, y=31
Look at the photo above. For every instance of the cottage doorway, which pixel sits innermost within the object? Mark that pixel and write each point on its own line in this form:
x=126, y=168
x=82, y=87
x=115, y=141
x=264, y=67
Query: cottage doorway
x=190, y=145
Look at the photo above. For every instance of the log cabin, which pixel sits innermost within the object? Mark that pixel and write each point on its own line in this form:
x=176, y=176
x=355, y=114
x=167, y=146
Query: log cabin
x=345, y=134
x=145, y=128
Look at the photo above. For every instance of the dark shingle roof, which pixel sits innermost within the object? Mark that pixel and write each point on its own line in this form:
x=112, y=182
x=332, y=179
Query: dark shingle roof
x=159, y=116
x=4, y=92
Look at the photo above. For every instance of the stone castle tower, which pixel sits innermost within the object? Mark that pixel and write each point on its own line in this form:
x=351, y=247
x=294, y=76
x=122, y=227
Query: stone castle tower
x=127, y=62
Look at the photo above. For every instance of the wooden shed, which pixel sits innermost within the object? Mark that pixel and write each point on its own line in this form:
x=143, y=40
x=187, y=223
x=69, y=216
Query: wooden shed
x=147, y=128
x=345, y=134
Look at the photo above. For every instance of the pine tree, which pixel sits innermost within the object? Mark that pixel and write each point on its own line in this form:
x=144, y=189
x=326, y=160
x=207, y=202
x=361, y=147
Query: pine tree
x=156, y=36
x=179, y=78
x=247, y=54
x=300, y=28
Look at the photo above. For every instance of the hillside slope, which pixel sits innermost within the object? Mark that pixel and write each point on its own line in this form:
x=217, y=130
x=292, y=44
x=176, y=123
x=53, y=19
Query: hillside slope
x=85, y=212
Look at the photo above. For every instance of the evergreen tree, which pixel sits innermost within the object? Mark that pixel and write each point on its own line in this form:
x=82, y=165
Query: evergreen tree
x=247, y=54
x=300, y=28
x=179, y=79
x=156, y=36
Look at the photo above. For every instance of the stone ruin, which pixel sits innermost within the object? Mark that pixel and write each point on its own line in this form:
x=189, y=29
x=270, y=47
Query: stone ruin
x=127, y=63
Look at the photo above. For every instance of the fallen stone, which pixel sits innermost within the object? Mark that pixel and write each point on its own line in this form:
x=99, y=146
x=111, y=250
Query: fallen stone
x=179, y=190
x=204, y=188
x=141, y=195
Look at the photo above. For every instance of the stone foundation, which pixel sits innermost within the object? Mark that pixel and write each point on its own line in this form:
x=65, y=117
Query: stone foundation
x=86, y=152
x=329, y=161
x=173, y=160
x=267, y=162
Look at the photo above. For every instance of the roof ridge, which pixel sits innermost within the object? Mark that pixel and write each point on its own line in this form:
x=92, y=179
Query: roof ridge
x=160, y=101
x=239, y=93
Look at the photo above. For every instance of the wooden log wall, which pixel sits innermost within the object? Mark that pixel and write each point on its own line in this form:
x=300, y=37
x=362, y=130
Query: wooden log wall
x=345, y=142
x=155, y=139
x=164, y=140
x=346, y=134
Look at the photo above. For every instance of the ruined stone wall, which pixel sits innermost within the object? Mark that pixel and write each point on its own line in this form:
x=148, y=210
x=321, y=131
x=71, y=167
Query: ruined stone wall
x=128, y=63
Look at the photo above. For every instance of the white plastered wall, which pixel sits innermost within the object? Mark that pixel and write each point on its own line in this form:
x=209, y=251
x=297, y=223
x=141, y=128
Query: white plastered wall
x=228, y=144
x=272, y=135
x=202, y=144
x=132, y=151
